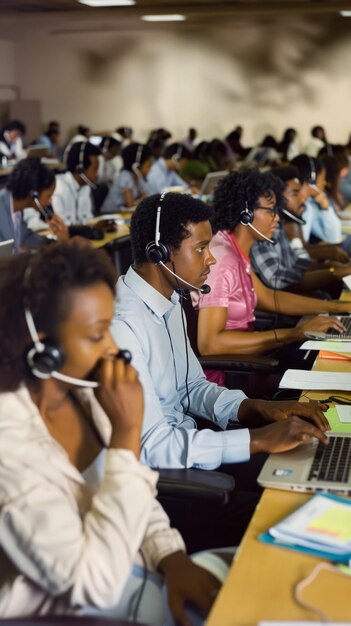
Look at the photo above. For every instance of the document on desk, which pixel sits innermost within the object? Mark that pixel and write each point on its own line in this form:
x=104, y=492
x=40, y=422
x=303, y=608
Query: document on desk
x=327, y=346
x=347, y=281
x=318, y=381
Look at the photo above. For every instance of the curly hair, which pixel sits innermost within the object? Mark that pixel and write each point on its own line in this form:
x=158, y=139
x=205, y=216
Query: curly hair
x=178, y=210
x=238, y=190
x=54, y=271
x=29, y=175
x=241, y=189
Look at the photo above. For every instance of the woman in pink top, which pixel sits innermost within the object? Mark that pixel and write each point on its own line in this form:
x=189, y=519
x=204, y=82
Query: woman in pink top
x=246, y=210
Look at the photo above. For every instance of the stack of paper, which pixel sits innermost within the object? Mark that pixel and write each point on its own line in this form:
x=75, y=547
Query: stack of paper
x=321, y=527
x=321, y=381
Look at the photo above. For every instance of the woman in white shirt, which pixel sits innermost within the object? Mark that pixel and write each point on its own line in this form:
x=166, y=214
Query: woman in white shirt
x=130, y=184
x=80, y=529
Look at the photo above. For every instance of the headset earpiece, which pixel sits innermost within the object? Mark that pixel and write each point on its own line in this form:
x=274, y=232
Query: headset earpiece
x=136, y=164
x=246, y=217
x=45, y=360
x=79, y=169
x=155, y=251
x=34, y=195
x=313, y=173
x=178, y=155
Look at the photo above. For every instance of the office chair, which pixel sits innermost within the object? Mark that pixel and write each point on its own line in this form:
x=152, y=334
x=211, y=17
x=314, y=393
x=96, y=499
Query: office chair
x=242, y=365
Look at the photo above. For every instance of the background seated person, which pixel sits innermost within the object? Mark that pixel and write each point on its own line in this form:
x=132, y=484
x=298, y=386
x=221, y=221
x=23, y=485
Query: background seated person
x=51, y=139
x=11, y=144
x=110, y=160
x=321, y=221
x=72, y=199
x=149, y=320
x=278, y=265
x=199, y=164
x=30, y=184
x=77, y=509
x=130, y=184
x=164, y=172
x=246, y=210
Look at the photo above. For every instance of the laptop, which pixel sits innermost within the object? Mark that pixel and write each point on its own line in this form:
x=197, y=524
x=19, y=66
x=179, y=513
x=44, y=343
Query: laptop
x=37, y=152
x=6, y=247
x=211, y=181
x=311, y=467
x=333, y=335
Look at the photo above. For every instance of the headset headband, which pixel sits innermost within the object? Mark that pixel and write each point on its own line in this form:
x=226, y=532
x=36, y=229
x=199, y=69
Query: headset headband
x=138, y=155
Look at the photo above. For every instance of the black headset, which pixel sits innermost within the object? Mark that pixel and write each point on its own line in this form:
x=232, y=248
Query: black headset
x=156, y=251
x=178, y=155
x=46, y=356
x=313, y=173
x=79, y=169
x=137, y=162
x=246, y=217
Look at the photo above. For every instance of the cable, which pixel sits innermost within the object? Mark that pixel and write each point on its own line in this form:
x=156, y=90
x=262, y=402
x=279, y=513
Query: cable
x=305, y=582
x=133, y=612
x=182, y=314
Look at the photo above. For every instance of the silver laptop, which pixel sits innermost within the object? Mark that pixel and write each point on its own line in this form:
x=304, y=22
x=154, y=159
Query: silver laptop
x=311, y=467
x=333, y=335
x=211, y=181
x=6, y=247
x=37, y=152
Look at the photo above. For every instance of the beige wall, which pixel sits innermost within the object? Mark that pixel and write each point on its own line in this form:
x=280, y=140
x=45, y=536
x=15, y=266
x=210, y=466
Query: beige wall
x=263, y=75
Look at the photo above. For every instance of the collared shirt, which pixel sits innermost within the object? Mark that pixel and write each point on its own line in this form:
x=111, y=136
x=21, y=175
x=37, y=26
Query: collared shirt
x=277, y=265
x=114, y=200
x=322, y=223
x=72, y=201
x=160, y=177
x=17, y=217
x=64, y=545
x=150, y=326
x=230, y=282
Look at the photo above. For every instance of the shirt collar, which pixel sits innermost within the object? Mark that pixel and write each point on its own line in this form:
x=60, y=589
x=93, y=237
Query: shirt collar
x=153, y=299
x=72, y=181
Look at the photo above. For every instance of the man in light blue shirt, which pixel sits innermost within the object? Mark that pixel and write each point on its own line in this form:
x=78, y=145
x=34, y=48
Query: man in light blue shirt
x=149, y=322
x=164, y=172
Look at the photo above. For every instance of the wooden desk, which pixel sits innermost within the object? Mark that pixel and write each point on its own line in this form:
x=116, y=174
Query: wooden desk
x=262, y=578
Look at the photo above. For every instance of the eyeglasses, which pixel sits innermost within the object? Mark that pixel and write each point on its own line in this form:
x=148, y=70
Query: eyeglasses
x=273, y=211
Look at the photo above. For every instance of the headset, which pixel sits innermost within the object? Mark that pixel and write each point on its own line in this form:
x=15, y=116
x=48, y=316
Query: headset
x=313, y=176
x=178, y=155
x=313, y=173
x=136, y=164
x=246, y=218
x=293, y=217
x=79, y=169
x=158, y=253
x=46, y=212
x=105, y=146
x=46, y=357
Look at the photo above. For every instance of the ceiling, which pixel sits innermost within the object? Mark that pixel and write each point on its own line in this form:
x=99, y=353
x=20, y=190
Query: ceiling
x=20, y=17
x=191, y=8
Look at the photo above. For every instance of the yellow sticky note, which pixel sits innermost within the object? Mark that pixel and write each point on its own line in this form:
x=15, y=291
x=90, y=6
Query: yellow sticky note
x=334, y=523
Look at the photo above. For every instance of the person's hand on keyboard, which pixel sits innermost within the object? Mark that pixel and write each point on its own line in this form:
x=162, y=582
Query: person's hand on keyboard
x=313, y=411
x=320, y=324
x=284, y=435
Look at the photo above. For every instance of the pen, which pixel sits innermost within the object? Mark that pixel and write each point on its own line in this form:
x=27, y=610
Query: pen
x=307, y=355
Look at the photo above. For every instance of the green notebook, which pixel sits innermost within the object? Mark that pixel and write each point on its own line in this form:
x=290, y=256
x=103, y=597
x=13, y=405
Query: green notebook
x=335, y=425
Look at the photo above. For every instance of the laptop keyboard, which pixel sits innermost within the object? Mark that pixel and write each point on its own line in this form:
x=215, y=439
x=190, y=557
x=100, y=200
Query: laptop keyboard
x=332, y=462
x=346, y=321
